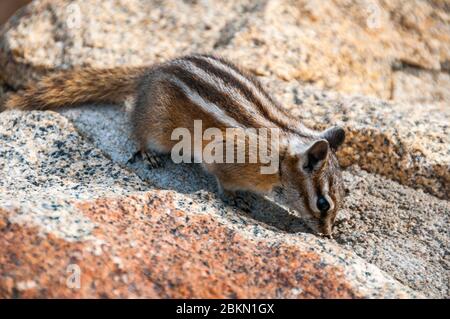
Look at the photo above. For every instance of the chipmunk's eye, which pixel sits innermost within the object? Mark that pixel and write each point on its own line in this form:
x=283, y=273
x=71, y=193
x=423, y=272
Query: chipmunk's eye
x=322, y=204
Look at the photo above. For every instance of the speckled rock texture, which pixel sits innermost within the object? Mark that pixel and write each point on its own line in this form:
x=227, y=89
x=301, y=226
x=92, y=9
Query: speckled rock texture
x=64, y=203
x=68, y=197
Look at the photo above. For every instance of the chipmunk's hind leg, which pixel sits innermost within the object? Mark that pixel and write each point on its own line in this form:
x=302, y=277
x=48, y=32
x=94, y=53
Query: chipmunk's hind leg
x=151, y=133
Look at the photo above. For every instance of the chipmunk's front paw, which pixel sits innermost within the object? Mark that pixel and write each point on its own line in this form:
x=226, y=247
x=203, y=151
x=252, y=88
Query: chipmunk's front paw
x=245, y=200
x=228, y=197
x=154, y=160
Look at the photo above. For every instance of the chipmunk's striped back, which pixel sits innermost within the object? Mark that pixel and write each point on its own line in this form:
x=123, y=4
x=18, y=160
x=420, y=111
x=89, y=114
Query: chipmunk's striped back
x=230, y=94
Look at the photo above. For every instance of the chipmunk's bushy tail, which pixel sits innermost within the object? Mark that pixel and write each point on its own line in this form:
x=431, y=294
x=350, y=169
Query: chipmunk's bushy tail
x=74, y=87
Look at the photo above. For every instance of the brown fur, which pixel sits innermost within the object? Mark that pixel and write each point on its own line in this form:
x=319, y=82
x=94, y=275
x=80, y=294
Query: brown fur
x=75, y=87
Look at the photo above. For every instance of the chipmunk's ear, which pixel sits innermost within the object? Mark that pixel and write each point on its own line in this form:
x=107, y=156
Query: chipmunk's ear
x=316, y=153
x=335, y=136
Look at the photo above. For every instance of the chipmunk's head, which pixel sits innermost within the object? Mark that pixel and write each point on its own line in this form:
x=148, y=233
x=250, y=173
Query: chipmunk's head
x=312, y=181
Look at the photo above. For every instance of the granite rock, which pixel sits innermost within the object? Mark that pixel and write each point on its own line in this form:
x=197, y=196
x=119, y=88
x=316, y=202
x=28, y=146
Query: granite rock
x=385, y=49
x=350, y=46
x=70, y=201
x=401, y=230
x=67, y=210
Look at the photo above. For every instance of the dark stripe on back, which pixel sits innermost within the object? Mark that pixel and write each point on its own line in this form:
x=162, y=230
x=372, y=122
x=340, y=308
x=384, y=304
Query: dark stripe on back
x=286, y=120
x=212, y=94
x=229, y=80
x=284, y=123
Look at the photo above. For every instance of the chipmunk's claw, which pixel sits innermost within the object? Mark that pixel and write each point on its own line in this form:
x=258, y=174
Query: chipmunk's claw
x=136, y=156
x=154, y=160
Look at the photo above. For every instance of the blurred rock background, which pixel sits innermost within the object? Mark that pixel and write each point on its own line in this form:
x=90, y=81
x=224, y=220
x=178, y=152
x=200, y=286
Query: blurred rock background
x=68, y=196
x=8, y=7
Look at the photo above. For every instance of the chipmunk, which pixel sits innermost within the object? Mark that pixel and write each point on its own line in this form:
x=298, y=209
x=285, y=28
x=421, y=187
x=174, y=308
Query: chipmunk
x=208, y=88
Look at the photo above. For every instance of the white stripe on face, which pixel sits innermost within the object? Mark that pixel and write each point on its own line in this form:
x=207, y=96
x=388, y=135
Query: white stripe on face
x=326, y=191
x=228, y=90
x=205, y=105
x=311, y=194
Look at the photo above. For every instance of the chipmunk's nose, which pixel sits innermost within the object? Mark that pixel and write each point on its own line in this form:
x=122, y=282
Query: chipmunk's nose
x=326, y=230
x=322, y=204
